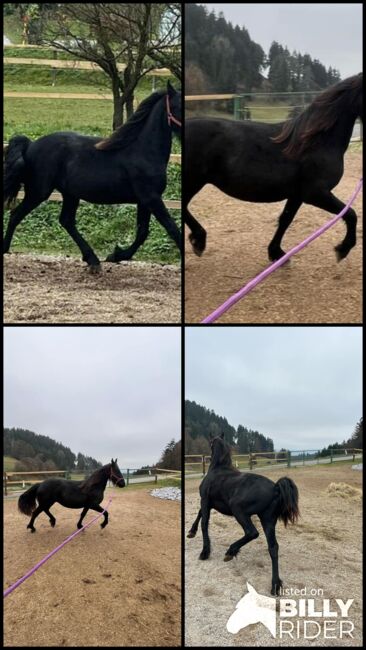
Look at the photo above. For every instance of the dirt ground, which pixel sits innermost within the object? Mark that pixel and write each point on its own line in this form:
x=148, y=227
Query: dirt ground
x=116, y=587
x=312, y=287
x=48, y=289
x=322, y=551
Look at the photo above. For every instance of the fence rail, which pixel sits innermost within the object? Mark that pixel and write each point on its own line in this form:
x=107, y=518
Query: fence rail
x=260, y=460
x=69, y=64
x=149, y=475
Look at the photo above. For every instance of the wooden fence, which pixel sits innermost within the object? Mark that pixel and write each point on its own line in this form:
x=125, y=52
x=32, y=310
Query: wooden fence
x=258, y=460
x=151, y=474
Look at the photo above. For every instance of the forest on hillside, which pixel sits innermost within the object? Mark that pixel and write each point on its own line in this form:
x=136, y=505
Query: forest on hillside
x=222, y=58
x=35, y=452
x=201, y=422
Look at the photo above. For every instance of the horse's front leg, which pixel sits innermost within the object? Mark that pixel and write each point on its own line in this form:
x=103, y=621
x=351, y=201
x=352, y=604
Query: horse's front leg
x=100, y=509
x=80, y=522
x=142, y=231
x=205, y=513
x=327, y=201
x=154, y=203
x=194, y=527
x=275, y=251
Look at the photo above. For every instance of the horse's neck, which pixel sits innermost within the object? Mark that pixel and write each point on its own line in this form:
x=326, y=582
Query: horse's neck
x=158, y=136
x=343, y=129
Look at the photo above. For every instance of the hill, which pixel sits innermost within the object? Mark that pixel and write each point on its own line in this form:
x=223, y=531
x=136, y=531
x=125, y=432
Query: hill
x=222, y=58
x=29, y=451
x=200, y=422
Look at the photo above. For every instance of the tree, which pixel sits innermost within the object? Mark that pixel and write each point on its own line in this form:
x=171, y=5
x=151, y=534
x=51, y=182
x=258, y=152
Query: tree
x=171, y=456
x=124, y=40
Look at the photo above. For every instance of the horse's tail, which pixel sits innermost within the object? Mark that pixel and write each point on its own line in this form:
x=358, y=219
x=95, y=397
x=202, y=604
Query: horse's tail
x=27, y=500
x=289, y=500
x=14, y=166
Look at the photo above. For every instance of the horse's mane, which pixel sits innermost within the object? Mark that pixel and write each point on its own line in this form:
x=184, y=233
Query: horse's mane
x=127, y=133
x=94, y=479
x=320, y=116
x=221, y=454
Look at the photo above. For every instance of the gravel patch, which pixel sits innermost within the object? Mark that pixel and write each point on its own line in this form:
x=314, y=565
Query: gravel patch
x=172, y=493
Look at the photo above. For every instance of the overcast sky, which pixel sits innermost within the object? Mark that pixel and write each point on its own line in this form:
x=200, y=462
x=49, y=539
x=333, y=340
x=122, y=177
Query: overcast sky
x=331, y=33
x=301, y=386
x=106, y=392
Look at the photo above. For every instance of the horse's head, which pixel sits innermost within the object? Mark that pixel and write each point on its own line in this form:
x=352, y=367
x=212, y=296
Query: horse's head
x=220, y=451
x=174, y=109
x=116, y=474
x=217, y=440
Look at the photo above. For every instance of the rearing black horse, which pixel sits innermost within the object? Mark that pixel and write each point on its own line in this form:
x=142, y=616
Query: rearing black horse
x=242, y=495
x=128, y=167
x=86, y=494
x=300, y=160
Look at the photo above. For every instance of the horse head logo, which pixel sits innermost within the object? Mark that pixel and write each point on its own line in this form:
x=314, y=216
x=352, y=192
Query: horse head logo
x=253, y=608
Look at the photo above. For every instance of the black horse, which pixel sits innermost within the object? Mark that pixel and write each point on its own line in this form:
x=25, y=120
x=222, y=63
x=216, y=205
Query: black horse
x=242, y=495
x=300, y=160
x=128, y=167
x=86, y=494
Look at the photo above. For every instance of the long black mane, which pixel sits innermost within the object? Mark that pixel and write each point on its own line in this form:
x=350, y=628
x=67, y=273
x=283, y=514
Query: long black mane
x=322, y=114
x=221, y=454
x=95, y=478
x=127, y=133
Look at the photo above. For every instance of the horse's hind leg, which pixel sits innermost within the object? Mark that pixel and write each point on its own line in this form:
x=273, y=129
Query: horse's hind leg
x=327, y=201
x=143, y=222
x=194, y=528
x=68, y=221
x=275, y=251
x=28, y=204
x=250, y=534
x=269, y=528
x=35, y=514
x=51, y=517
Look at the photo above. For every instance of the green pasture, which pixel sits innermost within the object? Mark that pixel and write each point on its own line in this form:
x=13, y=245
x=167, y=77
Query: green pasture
x=9, y=463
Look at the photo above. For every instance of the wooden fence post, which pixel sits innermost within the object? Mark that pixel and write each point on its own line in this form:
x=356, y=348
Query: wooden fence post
x=203, y=466
x=250, y=461
x=128, y=477
x=5, y=484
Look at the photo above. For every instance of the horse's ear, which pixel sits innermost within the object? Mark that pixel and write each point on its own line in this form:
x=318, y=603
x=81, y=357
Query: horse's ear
x=112, y=461
x=210, y=436
x=222, y=435
x=171, y=90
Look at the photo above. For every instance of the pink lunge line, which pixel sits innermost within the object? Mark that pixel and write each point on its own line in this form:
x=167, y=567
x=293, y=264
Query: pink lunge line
x=253, y=283
x=47, y=557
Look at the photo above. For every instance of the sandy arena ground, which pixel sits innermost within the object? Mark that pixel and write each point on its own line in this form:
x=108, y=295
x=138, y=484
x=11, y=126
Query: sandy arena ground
x=311, y=288
x=48, y=289
x=323, y=551
x=120, y=586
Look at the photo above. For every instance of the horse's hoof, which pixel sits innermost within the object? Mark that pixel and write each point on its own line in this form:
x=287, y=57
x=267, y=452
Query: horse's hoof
x=204, y=555
x=276, y=589
x=340, y=252
x=197, y=245
x=228, y=557
x=275, y=254
x=94, y=269
x=190, y=535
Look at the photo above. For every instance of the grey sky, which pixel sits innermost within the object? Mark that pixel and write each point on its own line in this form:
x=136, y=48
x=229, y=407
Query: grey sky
x=301, y=386
x=329, y=32
x=101, y=391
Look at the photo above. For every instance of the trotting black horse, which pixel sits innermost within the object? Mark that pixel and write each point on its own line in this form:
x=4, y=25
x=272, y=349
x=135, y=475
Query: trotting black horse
x=300, y=160
x=86, y=494
x=242, y=495
x=128, y=167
